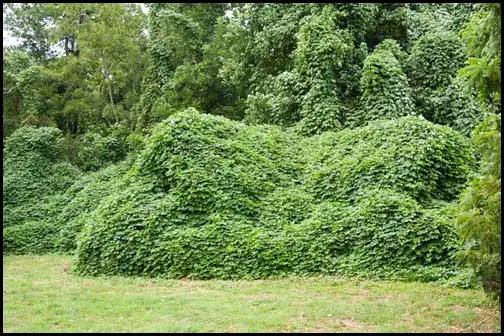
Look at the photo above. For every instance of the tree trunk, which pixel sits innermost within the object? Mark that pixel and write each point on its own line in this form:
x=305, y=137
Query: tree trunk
x=109, y=87
x=66, y=46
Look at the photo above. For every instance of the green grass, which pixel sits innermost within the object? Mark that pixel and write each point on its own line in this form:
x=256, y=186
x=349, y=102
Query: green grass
x=39, y=296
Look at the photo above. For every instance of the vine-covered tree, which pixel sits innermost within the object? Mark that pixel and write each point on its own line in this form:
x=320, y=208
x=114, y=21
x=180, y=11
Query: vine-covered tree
x=432, y=69
x=21, y=98
x=385, y=90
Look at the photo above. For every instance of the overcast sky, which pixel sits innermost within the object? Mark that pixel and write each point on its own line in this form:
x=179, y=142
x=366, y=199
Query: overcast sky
x=9, y=40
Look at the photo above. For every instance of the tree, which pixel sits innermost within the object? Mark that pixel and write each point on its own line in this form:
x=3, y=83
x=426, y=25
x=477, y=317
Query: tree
x=28, y=22
x=432, y=69
x=483, y=37
x=480, y=207
x=386, y=94
x=322, y=51
x=479, y=219
x=21, y=100
x=96, y=80
x=177, y=34
x=112, y=45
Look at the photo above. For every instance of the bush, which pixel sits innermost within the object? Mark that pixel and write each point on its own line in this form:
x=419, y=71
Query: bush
x=79, y=200
x=208, y=197
x=434, y=60
x=211, y=163
x=213, y=198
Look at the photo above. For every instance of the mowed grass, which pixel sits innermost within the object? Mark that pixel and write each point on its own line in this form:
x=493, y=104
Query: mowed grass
x=39, y=296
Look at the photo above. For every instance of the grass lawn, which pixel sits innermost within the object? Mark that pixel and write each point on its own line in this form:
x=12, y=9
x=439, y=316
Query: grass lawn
x=39, y=296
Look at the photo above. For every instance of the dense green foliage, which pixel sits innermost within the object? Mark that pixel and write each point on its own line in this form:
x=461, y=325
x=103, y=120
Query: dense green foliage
x=480, y=209
x=183, y=61
x=349, y=149
x=432, y=67
x=33, y=173
x=46, y=198
x=483, y=69
x=80, y=200
x=322, y=51
x=209, y=197
x=428, y=162
x=298, y=65
x=34, y=176
x=385, y=90
x=479, y=219
x=79, y=67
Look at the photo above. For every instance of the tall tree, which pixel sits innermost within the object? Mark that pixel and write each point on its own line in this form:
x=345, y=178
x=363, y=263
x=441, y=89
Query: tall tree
x=439, y=95
x=386, y=93
x=483, y=37
x=28, y=22
x=480, y=207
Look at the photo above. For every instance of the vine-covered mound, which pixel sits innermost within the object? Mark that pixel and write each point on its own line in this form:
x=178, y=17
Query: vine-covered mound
x=214, y=198
x=34, y=176
x=46, y=199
